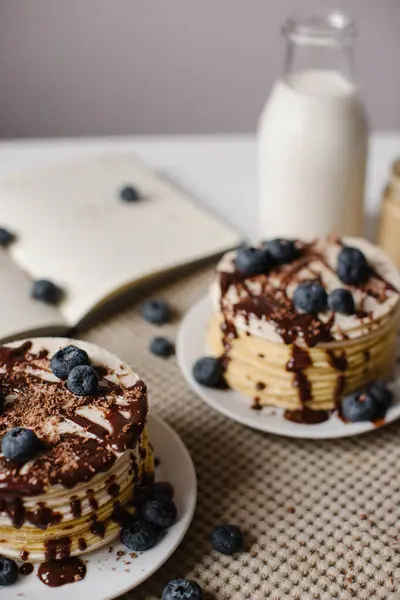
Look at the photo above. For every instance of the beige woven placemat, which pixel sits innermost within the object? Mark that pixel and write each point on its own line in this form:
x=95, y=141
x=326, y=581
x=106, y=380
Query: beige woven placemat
x=321, y=518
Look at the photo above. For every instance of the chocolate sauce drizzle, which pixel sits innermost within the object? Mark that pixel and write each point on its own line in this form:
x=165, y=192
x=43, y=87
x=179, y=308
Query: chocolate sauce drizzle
x=55, y=573
x=97, y=528
x=57, y=548
x=26, y=568
x=83, y=456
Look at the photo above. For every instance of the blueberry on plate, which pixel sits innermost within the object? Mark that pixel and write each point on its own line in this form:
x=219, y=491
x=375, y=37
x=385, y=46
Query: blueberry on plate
x=83, y=381
x=352, y=267
x=20, y=445
x=182, y=589
x=160, y=346
x=227, y=539
x=310, y=297
x=341, y=301
x=6, y=237
x=252, y=261
x=8, y=571
x=129, y=194
x=157, y=312
x=208, y=371
x=161, y=489
x=160, y=511
x=369, y=405
x=282, y=251
x=65, y=359
x=46, y=291
x=382, y=395
x=138, y=535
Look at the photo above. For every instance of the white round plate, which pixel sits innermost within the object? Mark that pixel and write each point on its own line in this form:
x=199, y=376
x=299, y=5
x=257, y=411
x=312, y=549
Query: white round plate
x=108, y=575
x=191, y=345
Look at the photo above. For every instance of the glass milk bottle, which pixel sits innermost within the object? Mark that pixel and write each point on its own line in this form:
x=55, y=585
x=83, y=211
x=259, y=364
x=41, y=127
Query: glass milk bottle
x=313, y=135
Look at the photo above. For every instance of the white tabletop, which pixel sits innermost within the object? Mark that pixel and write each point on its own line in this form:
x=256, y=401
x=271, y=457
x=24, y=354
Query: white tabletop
x=219, y=171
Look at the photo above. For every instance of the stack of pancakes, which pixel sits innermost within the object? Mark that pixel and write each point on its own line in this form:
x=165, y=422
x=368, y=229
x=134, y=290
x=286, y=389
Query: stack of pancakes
x=73, y=496
x=282, y=357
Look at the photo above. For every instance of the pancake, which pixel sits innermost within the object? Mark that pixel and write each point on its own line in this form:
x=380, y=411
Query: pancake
x=283, y=357
x=72, y=497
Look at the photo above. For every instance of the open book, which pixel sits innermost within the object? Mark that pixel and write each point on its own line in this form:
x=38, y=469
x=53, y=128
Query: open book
x=73, y=229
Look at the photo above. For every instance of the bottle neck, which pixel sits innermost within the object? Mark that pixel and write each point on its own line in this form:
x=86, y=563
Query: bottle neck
x=322, y=41
x=301, y=57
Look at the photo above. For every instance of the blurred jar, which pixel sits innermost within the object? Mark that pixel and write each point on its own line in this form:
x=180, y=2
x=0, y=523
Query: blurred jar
x=389, y=221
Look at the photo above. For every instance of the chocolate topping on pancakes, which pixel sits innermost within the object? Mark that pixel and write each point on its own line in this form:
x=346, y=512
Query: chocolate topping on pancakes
x=77, y=445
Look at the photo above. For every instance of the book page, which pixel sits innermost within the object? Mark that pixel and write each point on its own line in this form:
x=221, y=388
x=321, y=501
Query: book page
x=73, y=228
x=21, y=315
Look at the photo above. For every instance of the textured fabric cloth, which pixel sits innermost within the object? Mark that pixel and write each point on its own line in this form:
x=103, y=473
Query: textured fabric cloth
x=321, y=518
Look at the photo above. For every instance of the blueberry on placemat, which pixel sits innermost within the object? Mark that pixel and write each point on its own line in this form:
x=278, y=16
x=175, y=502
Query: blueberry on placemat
x=208, y=371
x=341, y=301
x=282, y=251
x=129, y=194
x=83, y=381
x=161, y=489
x=182, y=589
x=8, y=571
x=138, y=535
x=352, y=267
x=160, y=511
x=369, y=405
x=65, y=359
x=6, y=237
x=46, y=291
x=227, y=539
x=20, y=444
x=156, y=311
x=252, y=261
x=310, y=297
x=160, y=346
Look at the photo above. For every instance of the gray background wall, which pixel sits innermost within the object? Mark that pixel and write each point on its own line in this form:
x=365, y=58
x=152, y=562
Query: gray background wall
x=93, y=67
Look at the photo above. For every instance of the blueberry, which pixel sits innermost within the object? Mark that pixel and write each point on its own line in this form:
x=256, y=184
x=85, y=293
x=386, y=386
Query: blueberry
x=83, y=381
x=65, y=359
x=6, y=237
x=129, y=194
x=156, y=311
x=341, y=301
x=161, y=489
x=20, y=445
x=227, y=539
x=160, y=346
x=182, y=589
x=352, y=266
x=8, y=571
x=369, y=405
x=208, y=371
x=252, y=261
x=139, y=535
x=160, y=511
x=282, y=251
x=310, y=297
x=46, y=291
x=382, y=395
